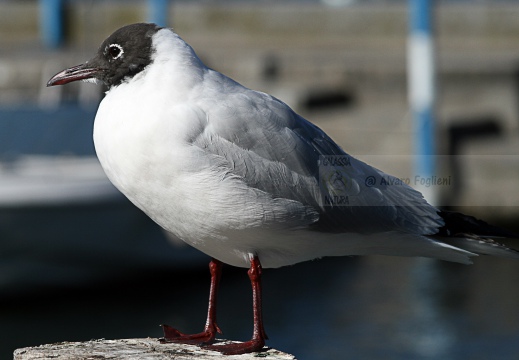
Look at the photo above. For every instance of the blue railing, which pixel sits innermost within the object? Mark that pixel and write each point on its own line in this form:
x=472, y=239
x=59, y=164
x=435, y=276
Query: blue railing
x=51, y=23
x=52, y=19
x=422, y=92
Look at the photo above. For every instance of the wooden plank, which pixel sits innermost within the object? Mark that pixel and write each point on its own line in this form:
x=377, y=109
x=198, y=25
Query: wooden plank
x=128, y=349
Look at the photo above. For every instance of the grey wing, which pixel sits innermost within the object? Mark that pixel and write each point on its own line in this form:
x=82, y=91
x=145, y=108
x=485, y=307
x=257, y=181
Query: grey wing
x=275, y=150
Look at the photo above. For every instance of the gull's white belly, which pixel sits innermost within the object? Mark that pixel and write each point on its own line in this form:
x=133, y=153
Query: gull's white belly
x=180, y=188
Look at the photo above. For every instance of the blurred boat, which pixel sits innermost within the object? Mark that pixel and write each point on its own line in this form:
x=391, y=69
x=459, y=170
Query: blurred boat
x=62, y=223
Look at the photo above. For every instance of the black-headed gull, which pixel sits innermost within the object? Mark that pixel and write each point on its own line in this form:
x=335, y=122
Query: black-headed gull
x=240, y=176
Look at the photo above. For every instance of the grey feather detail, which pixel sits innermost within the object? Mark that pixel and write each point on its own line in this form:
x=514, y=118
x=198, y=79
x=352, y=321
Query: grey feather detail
x=274, y=150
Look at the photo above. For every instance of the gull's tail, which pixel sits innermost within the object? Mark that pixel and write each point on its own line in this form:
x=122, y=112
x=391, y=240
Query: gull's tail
x=474, y=235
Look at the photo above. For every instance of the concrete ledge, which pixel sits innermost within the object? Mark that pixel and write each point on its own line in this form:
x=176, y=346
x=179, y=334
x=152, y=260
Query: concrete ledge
x=128, y=349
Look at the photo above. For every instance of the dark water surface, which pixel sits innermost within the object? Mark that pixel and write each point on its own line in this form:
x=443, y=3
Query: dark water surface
x=356, y=308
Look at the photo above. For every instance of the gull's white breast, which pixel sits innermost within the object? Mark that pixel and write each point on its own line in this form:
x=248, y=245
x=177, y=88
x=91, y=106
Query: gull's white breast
x=143, y=138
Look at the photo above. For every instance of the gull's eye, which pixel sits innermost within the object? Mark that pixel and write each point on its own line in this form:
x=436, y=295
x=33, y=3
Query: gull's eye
x=115, y=51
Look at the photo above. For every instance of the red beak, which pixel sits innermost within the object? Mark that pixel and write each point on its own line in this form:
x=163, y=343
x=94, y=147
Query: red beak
x=79, y=72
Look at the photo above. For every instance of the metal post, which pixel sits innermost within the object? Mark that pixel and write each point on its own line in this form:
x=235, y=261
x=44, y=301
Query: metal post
x=51, y=22
x=421, y=77
x=158, y=12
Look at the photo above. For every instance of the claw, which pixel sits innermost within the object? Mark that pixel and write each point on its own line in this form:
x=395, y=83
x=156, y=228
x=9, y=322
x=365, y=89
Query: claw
x=172, y=335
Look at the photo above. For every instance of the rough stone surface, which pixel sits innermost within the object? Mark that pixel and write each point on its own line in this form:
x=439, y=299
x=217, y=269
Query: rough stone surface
x=127, y=349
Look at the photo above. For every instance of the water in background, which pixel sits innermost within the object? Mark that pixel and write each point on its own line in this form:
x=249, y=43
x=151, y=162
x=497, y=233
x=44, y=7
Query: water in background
x=360, y=308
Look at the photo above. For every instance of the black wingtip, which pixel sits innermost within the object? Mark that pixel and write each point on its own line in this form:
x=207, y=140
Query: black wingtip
x=458, y=223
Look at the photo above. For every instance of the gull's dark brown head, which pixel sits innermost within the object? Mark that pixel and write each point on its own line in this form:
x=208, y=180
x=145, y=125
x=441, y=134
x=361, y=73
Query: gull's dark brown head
x=121, y=56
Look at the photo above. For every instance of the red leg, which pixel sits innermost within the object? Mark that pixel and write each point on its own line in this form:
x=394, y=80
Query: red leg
x=258, y=336
x=211, y=328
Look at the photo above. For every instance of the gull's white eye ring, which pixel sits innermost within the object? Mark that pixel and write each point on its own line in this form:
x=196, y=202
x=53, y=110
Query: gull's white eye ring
x=115, y=51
